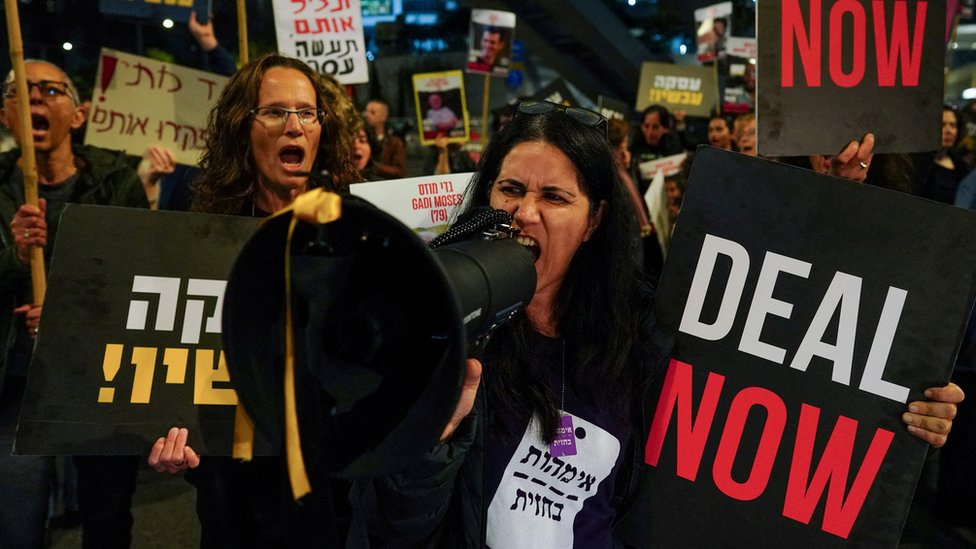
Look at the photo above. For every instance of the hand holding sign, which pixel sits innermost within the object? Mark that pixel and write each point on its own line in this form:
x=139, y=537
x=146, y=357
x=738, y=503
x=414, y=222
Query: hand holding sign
x=32, y=316
x=854, y=160
x=156, y=163
x=171, y=454
x=931, y=420
x=203, y=33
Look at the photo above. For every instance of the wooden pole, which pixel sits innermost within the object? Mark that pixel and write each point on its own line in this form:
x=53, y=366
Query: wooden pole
x=28, y=161
x=484, y=113
x=242, y=31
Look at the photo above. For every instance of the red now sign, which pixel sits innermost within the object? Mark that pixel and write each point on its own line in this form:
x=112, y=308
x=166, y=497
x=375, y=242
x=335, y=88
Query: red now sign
x=854, y=66
x=832, y=467
x=897, y=42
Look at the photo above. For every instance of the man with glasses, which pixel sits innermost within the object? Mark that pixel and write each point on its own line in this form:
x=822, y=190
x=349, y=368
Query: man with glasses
x=66, y=173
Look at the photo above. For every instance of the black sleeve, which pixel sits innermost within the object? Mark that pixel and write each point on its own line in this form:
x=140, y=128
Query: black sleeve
x=407, y=508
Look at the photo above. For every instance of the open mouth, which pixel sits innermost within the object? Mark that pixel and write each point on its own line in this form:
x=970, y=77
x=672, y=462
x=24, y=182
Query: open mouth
x=531, y=245
x=39, y=122
x=292, y=156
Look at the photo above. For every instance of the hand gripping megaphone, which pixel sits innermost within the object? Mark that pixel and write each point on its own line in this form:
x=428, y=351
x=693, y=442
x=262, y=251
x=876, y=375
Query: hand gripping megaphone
x=379, y=325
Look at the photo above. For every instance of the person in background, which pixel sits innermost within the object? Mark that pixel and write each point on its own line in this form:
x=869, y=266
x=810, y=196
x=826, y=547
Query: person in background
x=167, y=183
x=447, y=157
x=618, y=134
x=749, y=82
x=390, y=151
x=674, y=188
x=362, y=155
x=656, y=140
x=292, y=128
x=646, y=250
x=938, y=175
x=66, y=173
x=745, y=134
x=966, y=146
x=212, y=56
x=157, y=163
x=720, y=132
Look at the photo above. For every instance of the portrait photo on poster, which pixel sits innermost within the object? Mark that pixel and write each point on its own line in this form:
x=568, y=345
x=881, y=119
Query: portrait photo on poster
x=442, y=113
x=441, y=107
x=490, y=42
x=713, y=28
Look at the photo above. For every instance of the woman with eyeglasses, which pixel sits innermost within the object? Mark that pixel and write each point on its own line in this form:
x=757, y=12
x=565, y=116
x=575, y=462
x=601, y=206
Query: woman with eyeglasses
x=550, y=453
x=270, y=129
x=271, y=136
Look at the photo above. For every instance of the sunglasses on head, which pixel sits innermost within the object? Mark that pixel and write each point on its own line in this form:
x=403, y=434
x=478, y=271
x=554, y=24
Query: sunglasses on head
x=583, y=116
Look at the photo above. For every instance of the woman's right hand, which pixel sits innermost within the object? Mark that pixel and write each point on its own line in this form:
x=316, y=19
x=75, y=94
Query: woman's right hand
x=170, y=454
x=472, y=378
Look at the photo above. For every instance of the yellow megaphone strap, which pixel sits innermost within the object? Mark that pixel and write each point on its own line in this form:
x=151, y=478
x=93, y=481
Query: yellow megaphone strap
x=243, y=434
x=316, y=206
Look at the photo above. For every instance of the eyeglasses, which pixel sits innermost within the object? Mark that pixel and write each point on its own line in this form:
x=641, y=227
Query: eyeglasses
x=276, y=117
x=583, y=116
x=49, y=89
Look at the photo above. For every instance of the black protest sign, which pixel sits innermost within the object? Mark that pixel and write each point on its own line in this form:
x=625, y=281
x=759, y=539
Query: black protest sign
x=178, y=10
x=853, y=66
x=613, y=108
x=130, y=343
x=556, y=92
x=805, y=318
x=686, y=88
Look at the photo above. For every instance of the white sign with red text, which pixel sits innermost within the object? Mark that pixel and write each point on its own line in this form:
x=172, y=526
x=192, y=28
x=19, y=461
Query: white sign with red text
x=326, y=34
x=138, y=102
x=425, y=204
x=670, y=165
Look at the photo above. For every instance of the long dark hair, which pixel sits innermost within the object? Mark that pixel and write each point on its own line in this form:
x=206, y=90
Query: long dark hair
x=598, y=310
x=960, y=126
x=229, y=176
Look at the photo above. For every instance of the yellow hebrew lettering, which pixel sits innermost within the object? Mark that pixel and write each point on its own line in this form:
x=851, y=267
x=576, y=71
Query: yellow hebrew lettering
x=144, y=359
x=697, y=98
x=175, y=361
x=204, y=377
x=111, y=364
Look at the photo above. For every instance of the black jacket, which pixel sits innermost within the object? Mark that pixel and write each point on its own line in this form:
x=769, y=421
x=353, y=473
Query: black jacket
x=439, y=502
x=104, y=178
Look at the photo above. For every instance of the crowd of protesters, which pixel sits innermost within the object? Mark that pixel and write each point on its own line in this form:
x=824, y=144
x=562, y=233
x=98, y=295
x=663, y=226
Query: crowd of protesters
x=360, y=144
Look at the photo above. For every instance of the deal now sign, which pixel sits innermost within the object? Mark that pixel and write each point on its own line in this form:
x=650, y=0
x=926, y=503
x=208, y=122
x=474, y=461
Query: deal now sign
x=799, y=338
x=855, y=66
